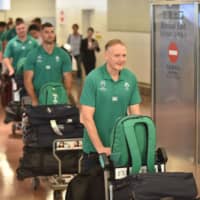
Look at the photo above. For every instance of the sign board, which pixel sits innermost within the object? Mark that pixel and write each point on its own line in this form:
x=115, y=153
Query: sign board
x=174, y=78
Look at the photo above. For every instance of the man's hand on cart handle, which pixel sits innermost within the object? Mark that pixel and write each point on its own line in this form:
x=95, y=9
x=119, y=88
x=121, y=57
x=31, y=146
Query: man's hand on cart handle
x=106, y=150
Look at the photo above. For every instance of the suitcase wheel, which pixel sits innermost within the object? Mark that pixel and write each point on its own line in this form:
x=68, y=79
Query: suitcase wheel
x=57, y=195
x=16, y=128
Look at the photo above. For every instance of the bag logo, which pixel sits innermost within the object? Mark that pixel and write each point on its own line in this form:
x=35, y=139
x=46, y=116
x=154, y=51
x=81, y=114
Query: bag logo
x=55, y=98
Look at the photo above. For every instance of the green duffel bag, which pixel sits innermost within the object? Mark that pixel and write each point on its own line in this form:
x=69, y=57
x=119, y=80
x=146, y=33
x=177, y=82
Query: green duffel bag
x=52, y=93
x=133, y=143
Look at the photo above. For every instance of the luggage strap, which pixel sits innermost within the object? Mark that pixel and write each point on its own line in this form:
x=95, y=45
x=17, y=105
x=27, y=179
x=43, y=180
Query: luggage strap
x=55, y=127
x=129, y=129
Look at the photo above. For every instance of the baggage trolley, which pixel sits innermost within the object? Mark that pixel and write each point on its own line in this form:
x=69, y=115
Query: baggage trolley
x=112, y=173
x=59, y=182
x=19, y=101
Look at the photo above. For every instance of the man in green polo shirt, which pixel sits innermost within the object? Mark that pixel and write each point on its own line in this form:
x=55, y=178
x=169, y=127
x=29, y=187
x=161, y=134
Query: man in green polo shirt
x=109, y=92
x=17, y=49
x=47, y=63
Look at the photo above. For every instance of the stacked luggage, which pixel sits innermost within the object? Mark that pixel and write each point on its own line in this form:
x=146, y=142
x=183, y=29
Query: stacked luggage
x=42, y=125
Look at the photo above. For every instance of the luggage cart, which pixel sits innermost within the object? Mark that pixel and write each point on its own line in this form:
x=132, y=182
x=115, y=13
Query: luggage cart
x=112, y=173
x=15, y=108
x=59, y=182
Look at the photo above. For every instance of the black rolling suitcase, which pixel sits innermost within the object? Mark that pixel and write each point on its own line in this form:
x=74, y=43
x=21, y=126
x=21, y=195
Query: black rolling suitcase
x=43, y=136
x=43, y=114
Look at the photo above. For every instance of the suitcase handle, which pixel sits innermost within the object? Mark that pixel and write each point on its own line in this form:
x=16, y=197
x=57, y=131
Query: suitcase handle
x=55, y=127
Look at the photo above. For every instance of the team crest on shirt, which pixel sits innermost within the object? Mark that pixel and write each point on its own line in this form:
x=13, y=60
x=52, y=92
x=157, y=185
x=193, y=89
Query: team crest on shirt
x=57, y=58
x=39, y=59
x=126, y=86
x=103, y=85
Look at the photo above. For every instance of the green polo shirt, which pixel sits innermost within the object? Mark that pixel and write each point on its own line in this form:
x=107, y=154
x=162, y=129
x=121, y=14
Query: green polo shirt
x=18, y=50
x=4, y=35
x=110, y=99
x=47, y=67
x=11, y=34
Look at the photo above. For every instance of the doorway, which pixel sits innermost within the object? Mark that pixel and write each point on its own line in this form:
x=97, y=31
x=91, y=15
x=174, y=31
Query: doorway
x=87, y=15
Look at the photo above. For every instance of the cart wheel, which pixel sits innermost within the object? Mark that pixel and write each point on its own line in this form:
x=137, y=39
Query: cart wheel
x=57, y=195
x=35, y=183
x=14, y=129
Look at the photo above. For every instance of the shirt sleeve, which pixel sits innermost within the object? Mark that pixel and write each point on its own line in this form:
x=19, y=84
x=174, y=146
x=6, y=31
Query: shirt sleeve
x=8, y=51
x=30, y=60
x=88, y=95
x=67, y=64
x=135, y=98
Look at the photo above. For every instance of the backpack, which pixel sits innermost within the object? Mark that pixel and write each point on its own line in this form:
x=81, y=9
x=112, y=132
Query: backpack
x=133, y=143
x=52, y=93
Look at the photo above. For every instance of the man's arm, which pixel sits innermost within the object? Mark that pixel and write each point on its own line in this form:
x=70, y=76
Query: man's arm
x=9, y=66
x=86, y=117
x=68, y=86
x=28, y=83
x=134, y=109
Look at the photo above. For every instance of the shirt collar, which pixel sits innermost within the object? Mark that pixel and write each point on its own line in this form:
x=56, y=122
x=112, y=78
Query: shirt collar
x=107, y=76
x=27, y=38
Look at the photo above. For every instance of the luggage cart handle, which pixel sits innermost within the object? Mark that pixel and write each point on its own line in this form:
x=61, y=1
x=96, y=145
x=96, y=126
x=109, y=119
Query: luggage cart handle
x=104, y=161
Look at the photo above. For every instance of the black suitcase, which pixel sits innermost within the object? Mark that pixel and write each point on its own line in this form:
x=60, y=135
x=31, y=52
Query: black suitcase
x=43, y=114
x=40, y=162
x=43, y=136
x=156, y=186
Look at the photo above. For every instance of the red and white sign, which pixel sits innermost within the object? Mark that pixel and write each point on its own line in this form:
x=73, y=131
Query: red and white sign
x=62, y=17
x=173, y=52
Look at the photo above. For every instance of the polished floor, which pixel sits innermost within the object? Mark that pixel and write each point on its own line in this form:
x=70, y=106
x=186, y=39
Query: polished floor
x=11, y=151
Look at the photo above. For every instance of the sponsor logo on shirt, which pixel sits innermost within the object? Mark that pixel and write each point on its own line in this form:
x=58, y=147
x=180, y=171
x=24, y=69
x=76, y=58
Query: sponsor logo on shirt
x=47, y=67
x=103, y=85
x=23, y=47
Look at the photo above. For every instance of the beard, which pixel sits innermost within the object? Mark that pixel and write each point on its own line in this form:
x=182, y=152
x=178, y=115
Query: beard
x=49, y=42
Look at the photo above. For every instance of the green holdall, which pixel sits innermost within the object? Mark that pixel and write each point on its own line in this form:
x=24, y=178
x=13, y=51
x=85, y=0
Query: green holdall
x=133, y=142
x=52, y=93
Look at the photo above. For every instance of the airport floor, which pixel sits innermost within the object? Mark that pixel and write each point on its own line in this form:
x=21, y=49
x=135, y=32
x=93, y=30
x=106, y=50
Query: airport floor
x=11, y=151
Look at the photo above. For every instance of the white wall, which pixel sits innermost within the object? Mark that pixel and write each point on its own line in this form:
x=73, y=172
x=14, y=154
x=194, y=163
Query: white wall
x=28, y=9
x=138, y=44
